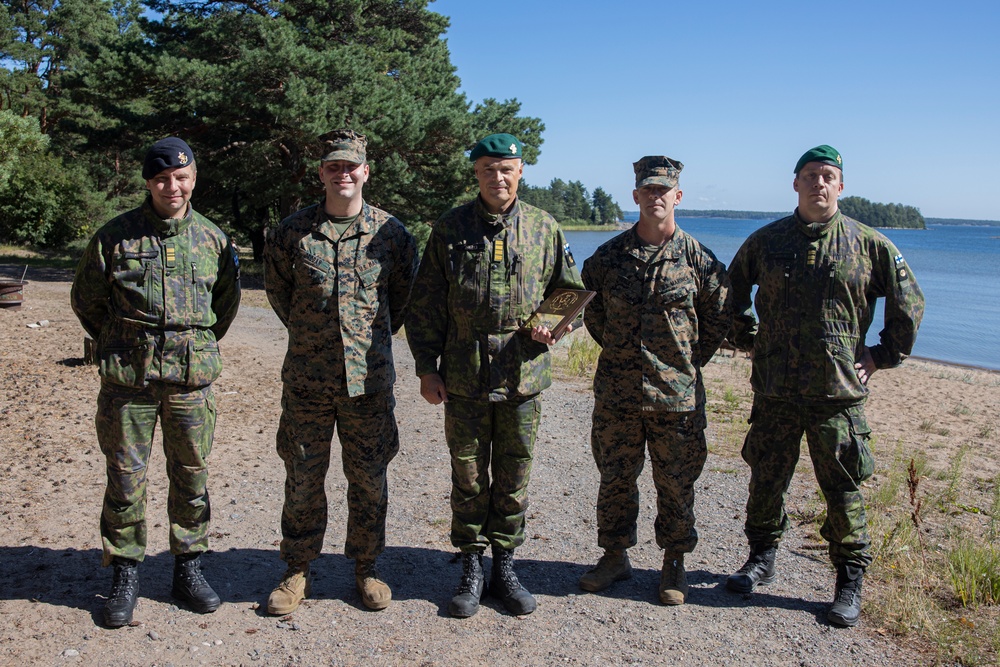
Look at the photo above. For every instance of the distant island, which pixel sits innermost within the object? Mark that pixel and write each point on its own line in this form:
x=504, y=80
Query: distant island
x=959, y=221
x=874, y=214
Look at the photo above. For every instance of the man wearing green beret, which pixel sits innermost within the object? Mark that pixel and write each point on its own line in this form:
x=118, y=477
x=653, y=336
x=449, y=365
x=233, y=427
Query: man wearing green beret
x=157, y=288
x=661, y=311
x=487, y=265
x=338, y=274
x=818, y=275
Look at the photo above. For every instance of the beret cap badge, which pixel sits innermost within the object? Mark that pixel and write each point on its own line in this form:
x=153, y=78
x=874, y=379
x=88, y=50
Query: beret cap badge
x=168, y=153
x=497, y=145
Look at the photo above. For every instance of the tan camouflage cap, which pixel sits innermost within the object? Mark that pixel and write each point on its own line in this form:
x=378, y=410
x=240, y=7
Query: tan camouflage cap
x=658, y=170
x=344, y=145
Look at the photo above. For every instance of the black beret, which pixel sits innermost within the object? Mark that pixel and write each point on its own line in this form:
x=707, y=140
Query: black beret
x=166, y=154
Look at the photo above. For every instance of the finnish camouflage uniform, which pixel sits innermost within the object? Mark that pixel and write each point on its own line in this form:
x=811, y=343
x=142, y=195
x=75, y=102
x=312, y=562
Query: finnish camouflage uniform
x=480, y=278
x=341, y=298
x=659, y=315
x=817, y=288
x=156, y=295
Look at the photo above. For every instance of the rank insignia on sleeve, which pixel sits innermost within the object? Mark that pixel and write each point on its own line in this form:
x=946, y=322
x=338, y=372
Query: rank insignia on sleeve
x=569, y=255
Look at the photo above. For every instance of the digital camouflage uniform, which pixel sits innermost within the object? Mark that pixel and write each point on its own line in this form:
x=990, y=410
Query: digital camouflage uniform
x=659, y=315
x=341, y=298
x=156, y=295
x=817, y=288
x=481, y=277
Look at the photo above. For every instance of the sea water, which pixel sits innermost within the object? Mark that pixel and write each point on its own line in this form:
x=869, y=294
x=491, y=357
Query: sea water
x=957, y=267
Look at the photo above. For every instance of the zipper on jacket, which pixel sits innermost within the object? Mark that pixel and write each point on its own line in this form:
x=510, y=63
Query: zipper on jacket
x=194, y=289
x=148, y=279
x=788, y=282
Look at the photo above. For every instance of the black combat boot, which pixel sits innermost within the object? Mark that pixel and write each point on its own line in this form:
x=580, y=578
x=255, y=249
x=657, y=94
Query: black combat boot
x=504, y=584
x=759, y=569
x=190, y=586
x=466, y=600
x=124, y=591
x=846, y=609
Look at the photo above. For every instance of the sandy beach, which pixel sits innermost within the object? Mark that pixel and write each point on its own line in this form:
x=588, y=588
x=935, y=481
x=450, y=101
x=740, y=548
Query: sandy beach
x=52, y=480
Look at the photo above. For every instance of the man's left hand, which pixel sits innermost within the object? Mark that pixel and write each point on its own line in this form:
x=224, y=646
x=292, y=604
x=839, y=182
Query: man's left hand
x=865, y=367
x=543, y=335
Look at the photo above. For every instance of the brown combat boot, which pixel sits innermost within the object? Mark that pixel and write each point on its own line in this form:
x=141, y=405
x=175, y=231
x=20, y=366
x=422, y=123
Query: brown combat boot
x=293, y=589
x=375, y=593
x=673, y=579
x=613, y=566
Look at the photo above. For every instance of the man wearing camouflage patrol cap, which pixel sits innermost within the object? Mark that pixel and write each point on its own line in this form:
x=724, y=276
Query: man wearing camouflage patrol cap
x=157, y=288
x=486, y=267
x=661, y=311
x=818, y=275
x=338, y=274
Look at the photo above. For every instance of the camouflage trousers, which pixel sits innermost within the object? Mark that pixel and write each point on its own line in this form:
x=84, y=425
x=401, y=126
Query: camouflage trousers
x=126, y=419
x=369, y=440
x=677, y=452
x=484, y=436
x=837, y=436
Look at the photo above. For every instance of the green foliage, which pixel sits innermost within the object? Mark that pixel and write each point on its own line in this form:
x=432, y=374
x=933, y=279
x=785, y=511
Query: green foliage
x=882, y=215
x=606, y=210
x=251, y=86
x=581, y=360
x=974, y=571
x=48, y=204
x=18, y=137
x=570, y=204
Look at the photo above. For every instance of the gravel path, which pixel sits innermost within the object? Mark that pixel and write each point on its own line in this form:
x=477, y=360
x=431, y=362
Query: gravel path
x=52, y=480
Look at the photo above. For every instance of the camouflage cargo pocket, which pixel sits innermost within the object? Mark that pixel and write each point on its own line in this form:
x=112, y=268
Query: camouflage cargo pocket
x=204, y=362
x=857, y=457
x=126, y=365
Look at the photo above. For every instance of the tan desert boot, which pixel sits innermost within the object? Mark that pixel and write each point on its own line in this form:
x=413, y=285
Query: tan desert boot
x=375, y=593
x=293, y=589
x=673, y=580
x=613, y=566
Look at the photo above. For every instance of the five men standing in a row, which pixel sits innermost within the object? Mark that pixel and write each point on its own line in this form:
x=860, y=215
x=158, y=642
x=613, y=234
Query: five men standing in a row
x=158, y=286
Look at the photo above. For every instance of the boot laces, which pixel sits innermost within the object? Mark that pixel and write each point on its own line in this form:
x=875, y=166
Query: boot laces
x=847, y=593
x=758, y=559
x=507, y=574
x=124, y=581
x=471, y=572
x=190, y=574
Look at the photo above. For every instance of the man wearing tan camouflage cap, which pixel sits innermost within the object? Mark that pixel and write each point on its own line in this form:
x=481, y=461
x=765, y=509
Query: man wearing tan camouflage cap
x=661, y=311
x=338, y=274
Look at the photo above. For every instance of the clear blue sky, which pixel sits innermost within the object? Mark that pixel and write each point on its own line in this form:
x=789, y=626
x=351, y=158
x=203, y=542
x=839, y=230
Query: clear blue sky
x=908, y=92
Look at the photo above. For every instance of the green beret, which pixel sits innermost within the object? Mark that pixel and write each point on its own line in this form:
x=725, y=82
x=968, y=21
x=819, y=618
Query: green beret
x=825, y=154
x=498, y=145
x=345, y=145
x=657, y=170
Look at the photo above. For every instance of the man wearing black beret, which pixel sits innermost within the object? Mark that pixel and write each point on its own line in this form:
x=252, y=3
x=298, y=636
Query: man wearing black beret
x=157, y=287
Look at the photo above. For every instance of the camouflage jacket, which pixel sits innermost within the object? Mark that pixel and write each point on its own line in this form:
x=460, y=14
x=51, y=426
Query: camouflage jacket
x=658, y=317
x=341, y=298
x=481, y=277
x=157, y=295
x=816, y=294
